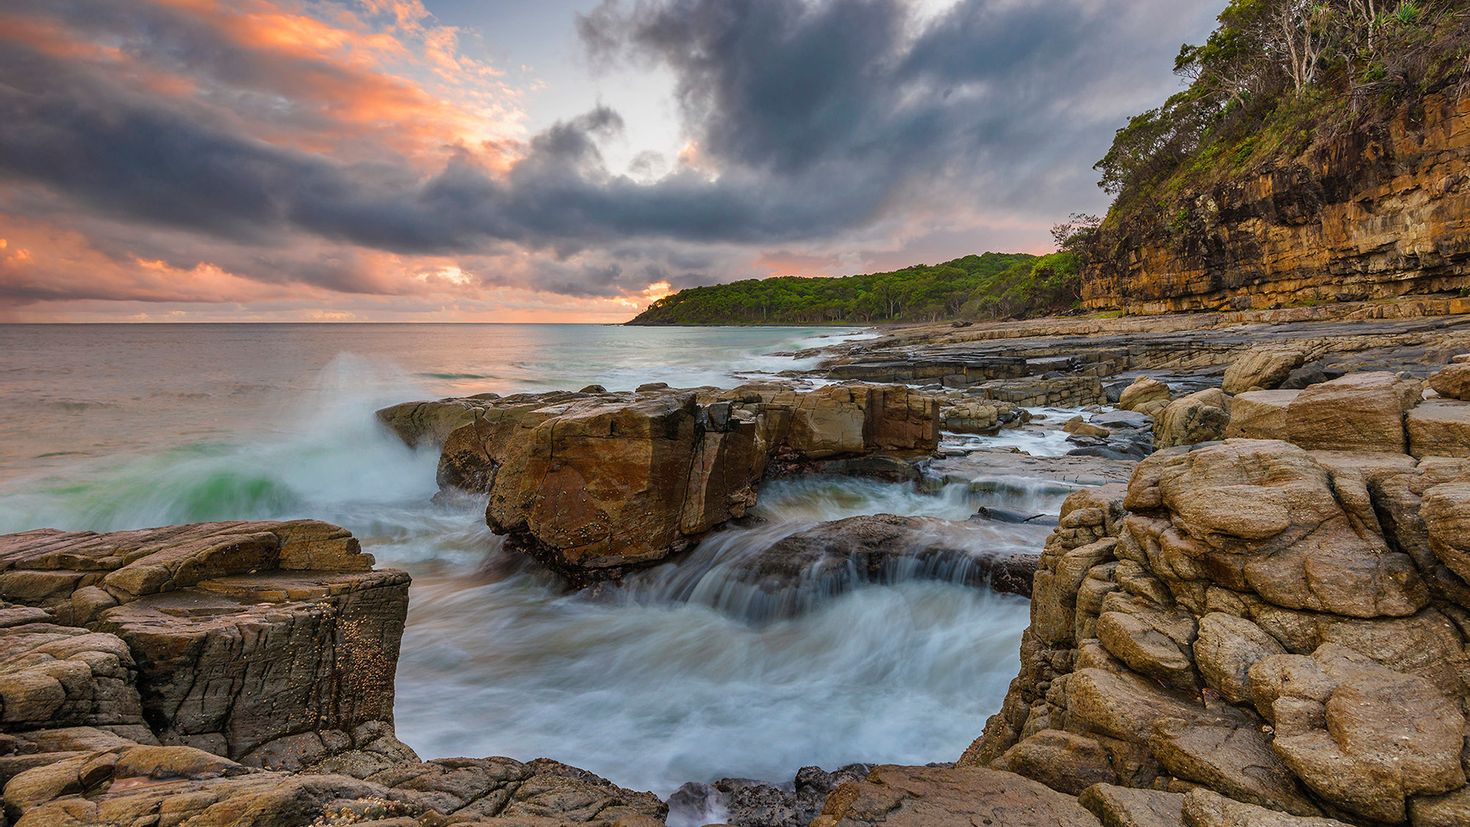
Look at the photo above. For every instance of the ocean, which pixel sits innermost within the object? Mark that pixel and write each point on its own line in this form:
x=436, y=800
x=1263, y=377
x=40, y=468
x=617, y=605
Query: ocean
x=108, y=427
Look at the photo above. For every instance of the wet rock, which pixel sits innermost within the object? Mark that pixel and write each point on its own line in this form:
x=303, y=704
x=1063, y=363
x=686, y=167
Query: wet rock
x=1077, y=425
x=1146, y=396
x=838, y=556
x=904, y=796
x=746, y=803
x=593, y=485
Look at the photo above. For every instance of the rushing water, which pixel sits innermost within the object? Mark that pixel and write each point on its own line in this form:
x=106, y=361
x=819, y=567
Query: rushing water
x=673, y=678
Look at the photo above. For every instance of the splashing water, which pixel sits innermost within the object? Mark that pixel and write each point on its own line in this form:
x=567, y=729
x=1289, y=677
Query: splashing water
x=651, y=685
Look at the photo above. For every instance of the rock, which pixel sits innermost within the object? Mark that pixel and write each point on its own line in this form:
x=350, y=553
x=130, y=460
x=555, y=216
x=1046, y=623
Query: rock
x=1262, y=517
x=1146, y=396
x=1260, y=415
x=1122, y=420
x=923, y=796
x=1077, y=425
x=1199, y=417
x=971, y=418
x=1448, y=810
x=1359, y=734
x=594, y=485
x=1440, y=429
x=790, y=576
x=1205, y=808
x=1226, y=649
x=1064, y=761
x=269, y=643
x=593, y=389
x=745, y=803
x=1125, y=807
x=1262, y=368
x=429, y=423
x=1452, y=382
x=1446, y=515
x=1359, y=412
x=1231, y=755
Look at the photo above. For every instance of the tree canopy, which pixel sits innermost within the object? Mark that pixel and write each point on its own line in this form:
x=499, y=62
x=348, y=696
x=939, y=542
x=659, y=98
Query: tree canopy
x=985, y=285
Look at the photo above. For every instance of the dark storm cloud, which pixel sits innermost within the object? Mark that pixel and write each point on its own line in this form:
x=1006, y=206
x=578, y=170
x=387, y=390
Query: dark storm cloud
x=819, y=118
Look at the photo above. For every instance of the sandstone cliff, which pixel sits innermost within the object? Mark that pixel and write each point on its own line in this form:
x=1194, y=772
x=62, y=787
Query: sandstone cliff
x=1380, y=213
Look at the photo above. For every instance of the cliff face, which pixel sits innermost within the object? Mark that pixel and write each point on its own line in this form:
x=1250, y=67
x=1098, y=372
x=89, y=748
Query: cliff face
x=1379, y=214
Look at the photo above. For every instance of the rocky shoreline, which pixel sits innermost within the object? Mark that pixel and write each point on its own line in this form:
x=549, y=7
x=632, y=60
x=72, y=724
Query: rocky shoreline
x=1252, y=607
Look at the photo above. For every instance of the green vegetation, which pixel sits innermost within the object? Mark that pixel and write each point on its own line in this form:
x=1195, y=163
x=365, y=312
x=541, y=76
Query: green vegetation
x=1277, y=78
x=987, y=285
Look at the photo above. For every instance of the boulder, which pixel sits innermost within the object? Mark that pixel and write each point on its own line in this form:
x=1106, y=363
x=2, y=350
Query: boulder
x=925, y=796
x=1359, y=412
x=1260, y=415
x=1359, y=734
x=1262, y=368
x=1440, y=429
x=1199, y=417
x=595, y=484
x=1128, y=807
x=1452, y=382
x=1146, y=396
x=1080, y=427
x=271, y=643
x=800, y=570
x=1205, y=808
x=1064, y=761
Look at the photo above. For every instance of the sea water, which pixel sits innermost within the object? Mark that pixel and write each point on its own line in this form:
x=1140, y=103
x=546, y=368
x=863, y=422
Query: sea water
x=664, y=681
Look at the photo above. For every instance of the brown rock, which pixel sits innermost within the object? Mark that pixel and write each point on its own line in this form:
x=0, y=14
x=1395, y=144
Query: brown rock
x=1359, y=734
x=1226, y=649
x=1262, y=368
x=935, y=796
x=1127, y=807
x=1064, y=761
x=1204, y=808
x=1452, y=382
x=1359, y=412
x=1260, y=415
x=1146, y=396
x=1189, y=420
x=1440, y=429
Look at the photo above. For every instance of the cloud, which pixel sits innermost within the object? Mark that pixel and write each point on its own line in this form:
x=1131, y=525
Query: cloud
x=236, y=151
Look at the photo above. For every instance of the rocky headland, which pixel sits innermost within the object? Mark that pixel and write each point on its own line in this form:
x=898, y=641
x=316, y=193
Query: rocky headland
x=1249, y=599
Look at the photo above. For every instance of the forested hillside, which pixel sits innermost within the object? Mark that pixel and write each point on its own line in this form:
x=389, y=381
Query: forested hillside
x=1311, y=157
x=986, y=285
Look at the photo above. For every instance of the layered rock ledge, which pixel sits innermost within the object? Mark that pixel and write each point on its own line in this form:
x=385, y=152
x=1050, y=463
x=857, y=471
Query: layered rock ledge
x=595, y=483
x=234, y=674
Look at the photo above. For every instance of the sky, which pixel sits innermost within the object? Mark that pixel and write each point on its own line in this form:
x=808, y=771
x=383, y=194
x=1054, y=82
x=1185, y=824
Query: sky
x=540, y=160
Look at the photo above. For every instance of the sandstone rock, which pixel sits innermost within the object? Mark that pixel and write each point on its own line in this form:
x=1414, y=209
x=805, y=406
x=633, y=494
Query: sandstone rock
x=1359, y=734
x=1226, y=649
x=429, y=423
x=1199, y=417
x=1262, y=368
x=1260, y=415
x=1440, y=429
x=1261, y=516
x=1448, y=810
x=1446, y=515
x=1228, y=753
x=1359, y=412
x=923, y=796
x=1126, y=807
x=1204, y=808
x=1452, y=382
x=1146, y=396
x=595, y=484
x=57, y=676
x=1061, y=760
x=1077, y=425
x=785, y=579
